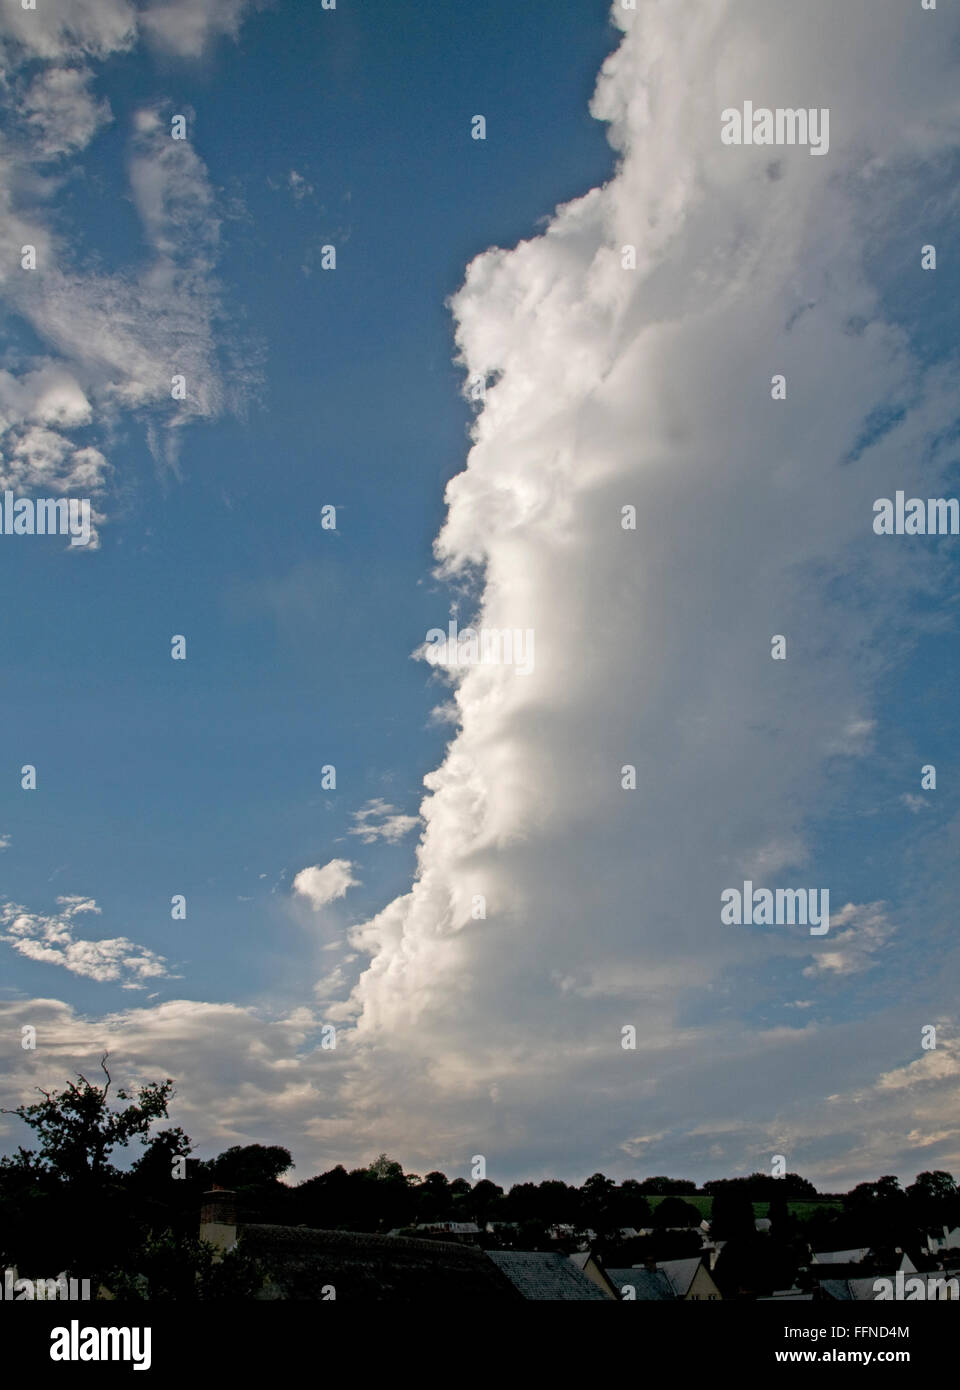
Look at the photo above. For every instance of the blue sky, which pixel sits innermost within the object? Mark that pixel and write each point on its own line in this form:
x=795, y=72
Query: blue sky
x=204, y=778
x=604, y=387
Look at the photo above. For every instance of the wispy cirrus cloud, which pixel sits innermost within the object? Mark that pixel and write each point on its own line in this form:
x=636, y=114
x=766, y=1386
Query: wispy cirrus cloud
x=186, y=28
x=113, y=342
x=857, y=933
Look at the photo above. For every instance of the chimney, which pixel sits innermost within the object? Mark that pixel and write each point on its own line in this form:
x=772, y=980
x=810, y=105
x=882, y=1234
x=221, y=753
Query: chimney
x=218, y=1218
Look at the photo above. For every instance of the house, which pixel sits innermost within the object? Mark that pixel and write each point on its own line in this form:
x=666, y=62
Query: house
x=460, y=1230
x=691, y=1280
x=541, y=1276
x=218, y=1218
x=566, y=1232
x=353, y=1266
x=686, y=1280
x=949, y=1241
x=827, y=1269
x=710, y=1252
x=785, y=1296
x=589, y=1265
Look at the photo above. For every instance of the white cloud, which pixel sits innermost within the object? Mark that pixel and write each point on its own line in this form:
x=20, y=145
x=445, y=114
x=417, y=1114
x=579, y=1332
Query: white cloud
x=186, y=27
x=61, y=112
x=323, y=886
x=299, y=186
x=500, y=1031
x=330, y=987
x=123, y=337
x=118, y=339
x=652, y=387
x=58, y=33
x=380, y=821
x=98, y=28
x=940, y=1063
x=112, y=341
x=857, y=932
x=51, y=939
x=241, y=1077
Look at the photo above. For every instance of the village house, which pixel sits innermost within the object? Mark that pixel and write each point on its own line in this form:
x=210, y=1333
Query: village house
x=540, y=1276
x=339, y=1266
x=589, y=1265
x=949, y=1241
x=685, y=1280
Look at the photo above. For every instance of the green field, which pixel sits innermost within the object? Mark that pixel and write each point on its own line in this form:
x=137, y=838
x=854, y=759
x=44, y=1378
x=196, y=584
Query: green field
x=802, y=1209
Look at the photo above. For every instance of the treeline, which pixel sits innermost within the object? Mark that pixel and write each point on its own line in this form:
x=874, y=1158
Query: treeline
x=65, y=1205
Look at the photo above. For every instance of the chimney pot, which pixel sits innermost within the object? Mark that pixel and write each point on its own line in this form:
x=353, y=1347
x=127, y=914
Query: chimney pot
x=219, y=1207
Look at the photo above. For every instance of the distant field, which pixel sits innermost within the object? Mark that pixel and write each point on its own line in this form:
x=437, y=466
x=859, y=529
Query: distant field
x=803, y=1209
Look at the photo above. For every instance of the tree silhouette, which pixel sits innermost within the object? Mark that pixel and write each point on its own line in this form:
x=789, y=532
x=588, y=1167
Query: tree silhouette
x=77, y=1130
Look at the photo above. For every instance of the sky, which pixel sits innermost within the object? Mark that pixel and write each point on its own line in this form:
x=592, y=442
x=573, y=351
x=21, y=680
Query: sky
x=306, y=823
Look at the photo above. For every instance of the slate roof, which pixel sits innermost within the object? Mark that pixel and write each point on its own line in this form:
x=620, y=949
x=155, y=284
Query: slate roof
x=852, y=1290
x=680, y=1273
x=652, y=1286
x=301, y=1262
x=836, y=1288
x=862, y=1290
x=543, y=1276
x=840, y=1257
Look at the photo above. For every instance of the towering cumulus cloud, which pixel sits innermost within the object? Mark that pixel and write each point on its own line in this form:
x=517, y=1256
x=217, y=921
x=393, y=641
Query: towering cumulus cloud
x=629, y=353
